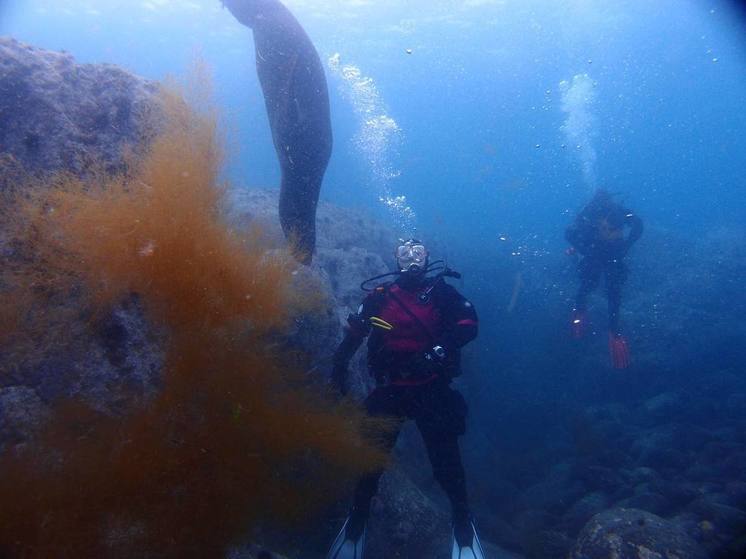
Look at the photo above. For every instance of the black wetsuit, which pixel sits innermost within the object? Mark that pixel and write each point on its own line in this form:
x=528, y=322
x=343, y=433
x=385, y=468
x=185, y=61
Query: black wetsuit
x=409, y=385
x=603, y=253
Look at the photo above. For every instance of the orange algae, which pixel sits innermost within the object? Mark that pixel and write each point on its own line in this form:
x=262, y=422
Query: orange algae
x=234, y=437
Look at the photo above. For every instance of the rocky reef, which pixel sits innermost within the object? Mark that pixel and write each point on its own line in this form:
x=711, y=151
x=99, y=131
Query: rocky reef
x=594, y=462
x=575, y=460
x=57, y=116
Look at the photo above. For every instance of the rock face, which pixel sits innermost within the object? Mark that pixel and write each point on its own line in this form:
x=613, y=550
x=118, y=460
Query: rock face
x=634, y=534
x=406, y=523
x=58, y=115
x=350, y=247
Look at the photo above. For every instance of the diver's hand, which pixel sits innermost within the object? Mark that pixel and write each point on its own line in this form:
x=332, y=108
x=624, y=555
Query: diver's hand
x=432, y=362
x=359, y=324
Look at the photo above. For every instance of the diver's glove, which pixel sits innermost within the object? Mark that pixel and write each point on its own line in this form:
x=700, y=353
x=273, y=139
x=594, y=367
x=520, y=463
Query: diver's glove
x=432, y=362
x=618, y=351
x=357, y=323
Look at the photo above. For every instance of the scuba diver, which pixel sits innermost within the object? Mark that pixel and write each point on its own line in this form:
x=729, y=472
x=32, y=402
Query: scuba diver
x=598, y=234
x=416, y=327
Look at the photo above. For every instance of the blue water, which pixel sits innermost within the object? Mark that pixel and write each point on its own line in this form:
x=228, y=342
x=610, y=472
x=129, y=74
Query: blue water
x=492, y=155
x=478, y=93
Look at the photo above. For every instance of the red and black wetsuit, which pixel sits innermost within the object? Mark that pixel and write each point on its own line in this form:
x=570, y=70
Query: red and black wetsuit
x=409, y=385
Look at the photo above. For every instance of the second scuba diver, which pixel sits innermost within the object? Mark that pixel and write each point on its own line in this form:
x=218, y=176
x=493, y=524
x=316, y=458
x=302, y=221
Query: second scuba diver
x=416, y=327
x=598, y=234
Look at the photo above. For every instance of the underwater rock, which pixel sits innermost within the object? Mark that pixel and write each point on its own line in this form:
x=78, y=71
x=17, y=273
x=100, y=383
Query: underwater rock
x=60, y=116
x=57, y=115
x=350, y=247
x=403, y=509
x=634, y=534
x=727, y=521
x=111, y=372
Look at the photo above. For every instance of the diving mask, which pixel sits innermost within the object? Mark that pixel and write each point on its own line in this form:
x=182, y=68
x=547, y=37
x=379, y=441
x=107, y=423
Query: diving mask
x=411, y=256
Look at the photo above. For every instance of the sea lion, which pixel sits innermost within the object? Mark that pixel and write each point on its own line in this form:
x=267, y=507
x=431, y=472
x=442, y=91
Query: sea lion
x=297, y=100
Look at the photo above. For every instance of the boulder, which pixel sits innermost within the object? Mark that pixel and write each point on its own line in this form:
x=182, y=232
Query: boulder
x=726, y=521
x=58, y=115
x=634, y=534
x=405, y=522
